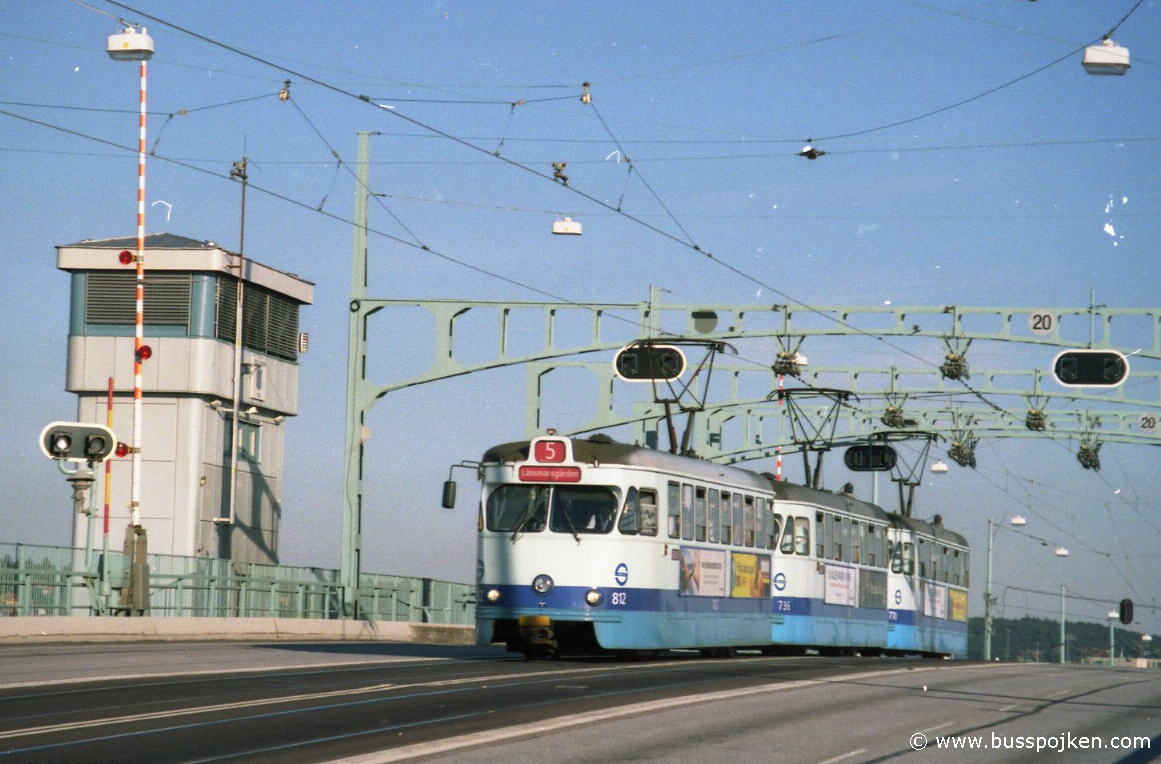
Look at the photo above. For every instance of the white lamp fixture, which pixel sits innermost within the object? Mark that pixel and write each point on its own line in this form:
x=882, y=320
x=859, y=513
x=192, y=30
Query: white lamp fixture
x=131, y=45
x=1106, y=58
x=567, y=227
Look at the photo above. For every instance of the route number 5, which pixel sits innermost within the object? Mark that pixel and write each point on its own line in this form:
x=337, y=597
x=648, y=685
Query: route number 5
x=549, y=451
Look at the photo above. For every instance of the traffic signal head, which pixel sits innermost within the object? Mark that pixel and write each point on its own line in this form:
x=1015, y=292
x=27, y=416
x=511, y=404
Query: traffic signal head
x=1090, y=368
x=647, y=363
x=77, y=442
x=874, y=457
x=1126, y=611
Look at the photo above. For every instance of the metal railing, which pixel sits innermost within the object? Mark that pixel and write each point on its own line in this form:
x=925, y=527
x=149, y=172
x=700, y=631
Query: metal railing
x=51, y=580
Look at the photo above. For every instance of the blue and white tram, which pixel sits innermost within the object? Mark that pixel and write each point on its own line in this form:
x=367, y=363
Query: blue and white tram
x=594, y=545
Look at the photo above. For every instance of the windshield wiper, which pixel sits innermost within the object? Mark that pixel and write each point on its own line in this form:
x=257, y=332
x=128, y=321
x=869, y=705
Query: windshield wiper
x=571, y=525
x=530, y=513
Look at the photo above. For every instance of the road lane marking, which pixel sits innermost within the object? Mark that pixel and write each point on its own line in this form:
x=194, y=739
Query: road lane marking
x=844, y=756
x=929, y=730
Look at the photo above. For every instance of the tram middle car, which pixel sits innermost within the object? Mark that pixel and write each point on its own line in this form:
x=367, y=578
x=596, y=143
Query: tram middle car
x=593, y=546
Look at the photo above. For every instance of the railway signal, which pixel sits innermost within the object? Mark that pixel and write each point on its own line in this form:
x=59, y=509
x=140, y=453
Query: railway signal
x=874, y=457
x=77, y=442
x=649, y=363
x=1090, y=368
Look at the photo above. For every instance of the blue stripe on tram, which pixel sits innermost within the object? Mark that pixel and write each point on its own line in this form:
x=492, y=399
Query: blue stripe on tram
x=631, y=618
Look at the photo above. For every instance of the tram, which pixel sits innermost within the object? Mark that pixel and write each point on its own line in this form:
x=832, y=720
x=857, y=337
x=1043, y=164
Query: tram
x=588, y=545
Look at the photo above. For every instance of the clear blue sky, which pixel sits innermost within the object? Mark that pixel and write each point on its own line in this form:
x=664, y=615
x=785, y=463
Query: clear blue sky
x=1030, y=195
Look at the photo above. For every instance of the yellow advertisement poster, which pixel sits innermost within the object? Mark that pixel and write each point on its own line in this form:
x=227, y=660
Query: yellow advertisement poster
x=959, y=604
x=751, y=575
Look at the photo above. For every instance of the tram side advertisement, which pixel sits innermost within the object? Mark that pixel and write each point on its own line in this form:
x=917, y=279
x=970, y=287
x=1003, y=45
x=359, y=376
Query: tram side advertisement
x=751, y=575
x=705, y=573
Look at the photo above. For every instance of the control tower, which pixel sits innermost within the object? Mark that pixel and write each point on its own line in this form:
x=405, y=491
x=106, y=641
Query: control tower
x=204, y=491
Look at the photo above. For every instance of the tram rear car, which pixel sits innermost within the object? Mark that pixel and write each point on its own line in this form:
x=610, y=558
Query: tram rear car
x=591, y=545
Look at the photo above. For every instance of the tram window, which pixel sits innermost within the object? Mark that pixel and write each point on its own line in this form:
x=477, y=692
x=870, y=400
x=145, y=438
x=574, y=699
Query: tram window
x=748, y=519
x=630, y=522
x=825, y=528
x=673, y=505
x=714, y=498
x=945, y=565
x=763, y=525
x=640, y=514
x=648, y=512
x=787, y=546
x=521, y=508
x=699, y=514
x=739, y=523
x=922, y=558
x=727, y=513
x=896, y=552
x=840, y=539
x=801, y=535
x=582, y=509
x=687, y=511
x=775, y=530
x=858, y=541
x=967, y=570
x=908, y=558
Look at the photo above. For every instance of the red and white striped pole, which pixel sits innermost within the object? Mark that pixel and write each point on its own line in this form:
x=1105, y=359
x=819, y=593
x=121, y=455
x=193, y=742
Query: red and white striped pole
x=108, y=462
x=134, y=44
x=778, y=449
x=140, y=350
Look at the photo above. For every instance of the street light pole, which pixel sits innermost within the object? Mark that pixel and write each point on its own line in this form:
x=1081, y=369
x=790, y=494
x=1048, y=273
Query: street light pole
x=1063, y=589
x=133, y=44
x=989, y=599
x=1112, y=647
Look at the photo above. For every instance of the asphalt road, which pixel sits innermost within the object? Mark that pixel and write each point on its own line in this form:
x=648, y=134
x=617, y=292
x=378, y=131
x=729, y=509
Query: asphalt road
x=379, y=702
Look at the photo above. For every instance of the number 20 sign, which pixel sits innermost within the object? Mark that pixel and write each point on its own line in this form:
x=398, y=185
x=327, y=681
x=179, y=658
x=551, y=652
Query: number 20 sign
x=1041, y=322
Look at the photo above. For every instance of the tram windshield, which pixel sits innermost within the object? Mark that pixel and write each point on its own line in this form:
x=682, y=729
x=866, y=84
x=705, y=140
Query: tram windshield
x=575, y=509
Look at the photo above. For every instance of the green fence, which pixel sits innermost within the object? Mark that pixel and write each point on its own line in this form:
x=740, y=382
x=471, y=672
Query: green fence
x=50, y=580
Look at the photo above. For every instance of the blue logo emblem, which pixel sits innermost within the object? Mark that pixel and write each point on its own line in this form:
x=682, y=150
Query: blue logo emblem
x=621, y=574
x=898, y=597
x=780, y=581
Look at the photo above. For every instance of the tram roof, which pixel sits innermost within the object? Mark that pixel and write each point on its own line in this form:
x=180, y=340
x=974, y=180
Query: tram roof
x=603, y=450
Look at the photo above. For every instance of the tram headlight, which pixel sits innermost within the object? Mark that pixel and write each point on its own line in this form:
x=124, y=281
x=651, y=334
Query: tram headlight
x=492, y=595
x=542, y=584
x=594, y=597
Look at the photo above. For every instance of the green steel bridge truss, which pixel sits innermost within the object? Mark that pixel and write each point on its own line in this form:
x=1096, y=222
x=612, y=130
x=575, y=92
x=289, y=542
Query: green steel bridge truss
x=737, y=427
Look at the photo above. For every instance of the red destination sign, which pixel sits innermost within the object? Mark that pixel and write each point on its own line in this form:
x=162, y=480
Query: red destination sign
x=532, y=474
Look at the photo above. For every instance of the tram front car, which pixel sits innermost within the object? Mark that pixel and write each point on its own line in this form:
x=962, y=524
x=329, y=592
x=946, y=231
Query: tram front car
x=554, y=559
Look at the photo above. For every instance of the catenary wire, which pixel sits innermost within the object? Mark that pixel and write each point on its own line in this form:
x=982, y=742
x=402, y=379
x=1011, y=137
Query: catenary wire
x=595, y=200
